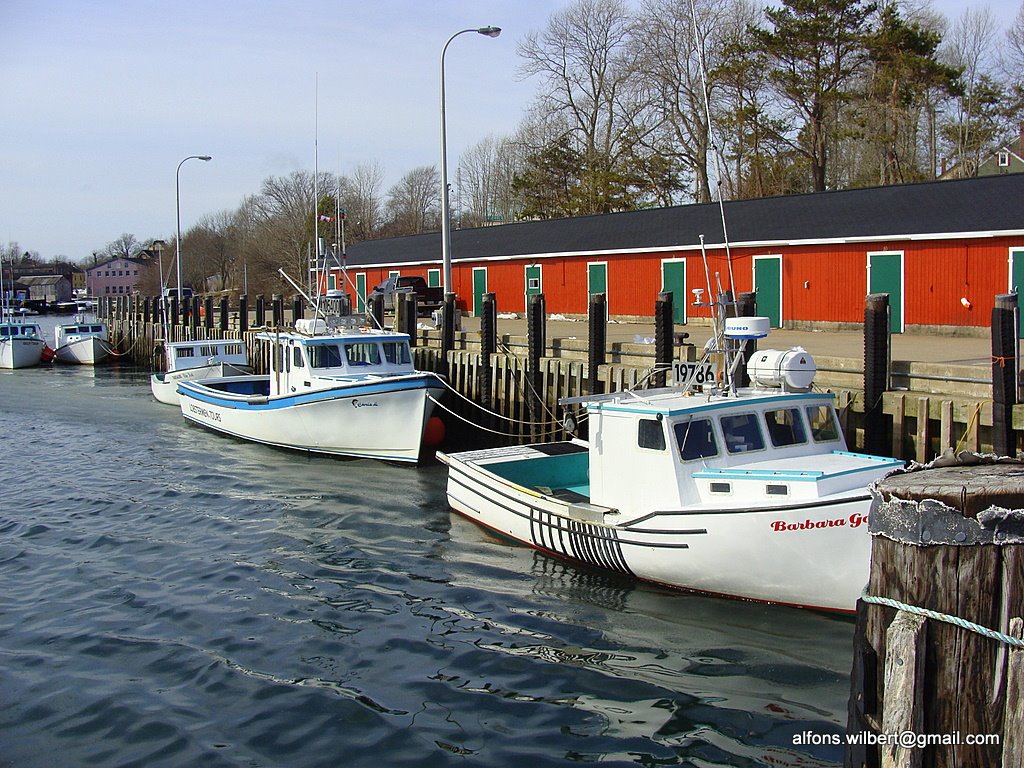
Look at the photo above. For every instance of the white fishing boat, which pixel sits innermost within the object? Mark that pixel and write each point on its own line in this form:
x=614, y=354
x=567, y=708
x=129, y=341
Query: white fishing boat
x=748, y=491
x=21, y=344
x=81, y=342
x=206, y=359
x=342, y=391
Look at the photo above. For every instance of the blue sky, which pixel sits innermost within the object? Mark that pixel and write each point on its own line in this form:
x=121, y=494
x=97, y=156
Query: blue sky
x=101, y=100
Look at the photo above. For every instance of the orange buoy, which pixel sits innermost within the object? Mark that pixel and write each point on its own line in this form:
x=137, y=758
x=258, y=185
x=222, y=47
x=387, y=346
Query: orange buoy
x=433, y=434
x=48, y=354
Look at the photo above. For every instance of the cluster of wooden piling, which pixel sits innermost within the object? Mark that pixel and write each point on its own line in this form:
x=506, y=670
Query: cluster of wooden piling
x=522, y=379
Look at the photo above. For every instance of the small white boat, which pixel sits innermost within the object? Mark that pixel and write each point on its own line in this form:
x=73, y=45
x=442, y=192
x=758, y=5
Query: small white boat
x=747, y=492
x=22, y=345
x=81, y=342
x=207, y=359
x=343, y=391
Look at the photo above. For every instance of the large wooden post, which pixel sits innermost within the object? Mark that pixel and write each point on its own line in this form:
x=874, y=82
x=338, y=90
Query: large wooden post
x=1004, y=374
x=598, y=337
x=947, y=538
x=536, y=338
x=876, y=371
x=488, y=347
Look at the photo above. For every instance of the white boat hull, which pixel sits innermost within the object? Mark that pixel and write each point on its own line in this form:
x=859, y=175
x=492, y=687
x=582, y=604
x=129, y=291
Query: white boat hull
x=385, y=419
x=164, y=386
x=814, y=555
x=89, y=350
x=21, y=352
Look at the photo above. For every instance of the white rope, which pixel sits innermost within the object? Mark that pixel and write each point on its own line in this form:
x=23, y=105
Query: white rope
x=443, y=407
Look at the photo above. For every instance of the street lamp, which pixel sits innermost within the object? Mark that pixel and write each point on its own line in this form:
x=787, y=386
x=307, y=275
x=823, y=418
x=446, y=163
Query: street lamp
x=177, y=197
x=446, y=233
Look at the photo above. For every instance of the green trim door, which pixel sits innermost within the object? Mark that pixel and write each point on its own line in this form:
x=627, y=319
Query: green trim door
x=532, y=281
x=885, y=275
x=673, y=280
x=434, y=278
x=479, y=289
x=360, y=292
x=1017, y=284
x=597, y=282
x=768, y=287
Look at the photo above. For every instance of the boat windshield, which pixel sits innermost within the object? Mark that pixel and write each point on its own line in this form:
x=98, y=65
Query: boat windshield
x=362, y=353
x=324, y=356
x=785, y=427
x=397, y=352
x=824, y=428
x=696, y=439
x=742, y=432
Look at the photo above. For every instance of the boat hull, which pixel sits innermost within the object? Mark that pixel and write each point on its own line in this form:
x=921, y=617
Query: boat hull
x=384, y=419
x=813, y=555
x=21, y=353
x=86, y=351
x=164, y=386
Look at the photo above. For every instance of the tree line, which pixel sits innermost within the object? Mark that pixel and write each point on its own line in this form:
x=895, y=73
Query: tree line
x=662, y=102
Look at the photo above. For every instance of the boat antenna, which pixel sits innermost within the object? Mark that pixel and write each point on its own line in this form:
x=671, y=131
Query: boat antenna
x=314, y=278
x=699, y=50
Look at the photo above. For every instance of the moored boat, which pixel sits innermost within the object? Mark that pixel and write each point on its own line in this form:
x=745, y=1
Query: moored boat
x=342, y=391
x=21, y=344
x=205, y=359
x=747, y=491
x=81, y=342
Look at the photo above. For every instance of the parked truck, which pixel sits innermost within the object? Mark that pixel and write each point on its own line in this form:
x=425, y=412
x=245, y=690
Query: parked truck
x=429, y=297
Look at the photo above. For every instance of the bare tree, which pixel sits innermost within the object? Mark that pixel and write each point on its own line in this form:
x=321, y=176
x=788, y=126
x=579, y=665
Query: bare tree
x=484, y=183
x=362, y=200
x=583, y=58
x=1015, y=48
x=414, y=203
x=126, y=246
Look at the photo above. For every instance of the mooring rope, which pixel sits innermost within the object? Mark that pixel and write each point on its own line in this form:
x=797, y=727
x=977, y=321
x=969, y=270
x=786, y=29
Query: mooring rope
x=1016, y=642
x=558, y=428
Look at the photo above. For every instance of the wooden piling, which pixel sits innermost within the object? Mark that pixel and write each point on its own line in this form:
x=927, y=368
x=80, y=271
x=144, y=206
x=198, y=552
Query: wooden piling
x=1004, y=373
x=947, y=539
x=663, y=328
x=598, y=337
x=876, y=370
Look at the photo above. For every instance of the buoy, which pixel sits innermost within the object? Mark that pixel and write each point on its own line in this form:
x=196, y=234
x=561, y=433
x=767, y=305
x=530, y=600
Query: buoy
x=48, y=354
x=433, y=434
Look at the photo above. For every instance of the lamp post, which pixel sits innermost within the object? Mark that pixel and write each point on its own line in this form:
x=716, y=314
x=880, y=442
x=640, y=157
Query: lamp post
x=446, y=233
x=177, y=198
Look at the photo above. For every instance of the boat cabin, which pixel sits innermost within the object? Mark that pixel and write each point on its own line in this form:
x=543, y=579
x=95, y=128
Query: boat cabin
x=300, y=362
x=65, y=334
x=21, y=330
x=181, y=355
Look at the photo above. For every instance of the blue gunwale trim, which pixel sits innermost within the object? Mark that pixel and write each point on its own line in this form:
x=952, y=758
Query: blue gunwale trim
x=700, y=406
x=210, y=396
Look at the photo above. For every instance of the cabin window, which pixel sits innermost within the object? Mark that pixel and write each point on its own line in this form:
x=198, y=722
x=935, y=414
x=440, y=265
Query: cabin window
x=397, y=353
x=776, y=490
x=297, y=357
x=785, y=427
x=742, y=433
x=650, y=435
x=207, y=351
x=824, y=428
x=5, y=331
x=721, y=487
x=185, y=352
x=362, y=353
x=232, y=349
x=696, y=439
x=325, y=356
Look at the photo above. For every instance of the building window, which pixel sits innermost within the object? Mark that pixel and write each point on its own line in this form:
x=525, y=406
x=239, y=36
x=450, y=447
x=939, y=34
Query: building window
x=1004, y=159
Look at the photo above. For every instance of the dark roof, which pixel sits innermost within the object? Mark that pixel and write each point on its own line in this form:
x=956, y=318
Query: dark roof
x=979, y=205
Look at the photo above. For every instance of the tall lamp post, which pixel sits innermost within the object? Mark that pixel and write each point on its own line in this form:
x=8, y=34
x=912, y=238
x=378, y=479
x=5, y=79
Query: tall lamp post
x=177, y=197
x=446, y=232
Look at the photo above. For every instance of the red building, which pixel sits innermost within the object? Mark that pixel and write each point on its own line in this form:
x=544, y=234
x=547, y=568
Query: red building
x=941, y=250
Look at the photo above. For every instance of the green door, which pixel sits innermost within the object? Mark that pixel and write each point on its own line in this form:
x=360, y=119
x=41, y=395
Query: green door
x=768, y=286
x=479, y=289
x=361, y=292
x=533, y=283
x=597, y=278
x=673, y=280
x=885, y=275
x=434, y=278
x=1017, y=284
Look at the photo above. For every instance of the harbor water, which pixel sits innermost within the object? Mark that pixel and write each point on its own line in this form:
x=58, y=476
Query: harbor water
x=171, y=597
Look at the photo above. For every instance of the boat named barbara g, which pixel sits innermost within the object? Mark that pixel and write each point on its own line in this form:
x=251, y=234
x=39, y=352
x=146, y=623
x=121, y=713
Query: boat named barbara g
x=745, y=491
x=205, y=359
x=82, y=342
x=333, y=389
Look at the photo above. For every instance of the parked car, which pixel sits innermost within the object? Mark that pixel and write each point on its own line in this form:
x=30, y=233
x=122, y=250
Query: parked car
x=430, y=297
